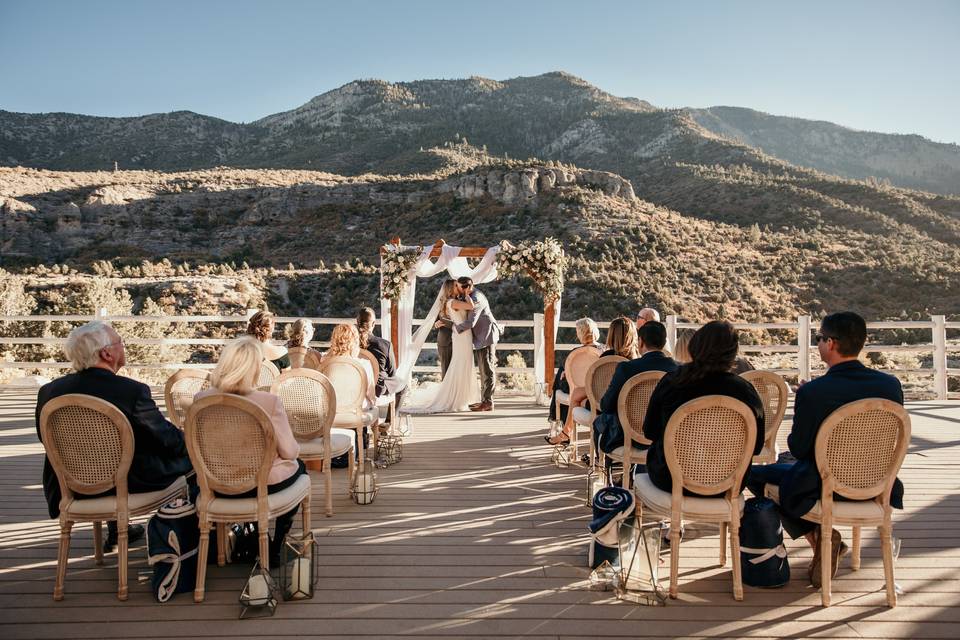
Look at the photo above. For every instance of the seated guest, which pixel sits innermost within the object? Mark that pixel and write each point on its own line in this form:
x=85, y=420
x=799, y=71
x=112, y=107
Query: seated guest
x=381, y=349
x=237, y=373
x=741, y=365
x=840, y=340
x=588, y=334
x=681, y=349
x=621, y=339
x=713, y=348
x=345, y=342
x=96, y=352
x=299, y=334
x=607, y=430
x=647, y=315
x=261, y=327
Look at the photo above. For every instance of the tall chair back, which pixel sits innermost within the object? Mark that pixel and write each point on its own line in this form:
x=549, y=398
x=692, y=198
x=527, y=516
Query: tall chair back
x=632, y=406
x=311, y=360
x=772, y=389
x=577, y=364
x=309, y=400
x=349, y=382
x=179, y=390
x=268, y=375
x=598, y=379
x=296, y=355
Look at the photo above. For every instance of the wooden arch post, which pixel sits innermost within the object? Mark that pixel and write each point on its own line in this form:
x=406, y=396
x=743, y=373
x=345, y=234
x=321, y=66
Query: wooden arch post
x=479, y=252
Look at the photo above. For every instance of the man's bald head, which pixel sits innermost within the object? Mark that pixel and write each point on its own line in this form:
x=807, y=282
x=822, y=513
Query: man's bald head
x=647, y=315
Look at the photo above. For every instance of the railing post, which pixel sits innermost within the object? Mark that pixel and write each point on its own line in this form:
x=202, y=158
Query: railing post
x=803, y=343
x=539, y=360
x=671, y=332
x=939, y=327
x=102, y=314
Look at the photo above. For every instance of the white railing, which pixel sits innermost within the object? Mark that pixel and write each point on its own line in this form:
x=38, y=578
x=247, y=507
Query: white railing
x=801, y=345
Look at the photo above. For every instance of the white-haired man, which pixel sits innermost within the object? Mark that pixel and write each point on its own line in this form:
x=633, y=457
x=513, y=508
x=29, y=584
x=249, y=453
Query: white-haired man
x=647, y=315
x=160, y=452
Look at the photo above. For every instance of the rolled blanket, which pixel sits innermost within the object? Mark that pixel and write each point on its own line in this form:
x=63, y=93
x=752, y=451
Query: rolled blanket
x=173, y=537
x=763, y=558
x=611, y=506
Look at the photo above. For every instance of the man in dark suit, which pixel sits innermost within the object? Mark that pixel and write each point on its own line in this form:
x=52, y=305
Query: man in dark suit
x=840, y=340
x=607, y=430
x=160, y=452
x=381, y=349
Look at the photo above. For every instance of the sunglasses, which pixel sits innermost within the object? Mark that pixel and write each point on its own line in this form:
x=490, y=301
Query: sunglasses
x=822, y=338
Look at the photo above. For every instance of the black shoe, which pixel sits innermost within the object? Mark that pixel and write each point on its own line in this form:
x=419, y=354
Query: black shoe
x=135, y=533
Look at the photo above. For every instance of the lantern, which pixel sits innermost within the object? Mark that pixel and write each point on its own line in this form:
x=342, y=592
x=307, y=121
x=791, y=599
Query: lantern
x=639, y=562
x=406, y=425
x=365, y=484
x=259, y=595
x=389, y=449
x=561, y=456
x=299, y=567
x=596, y=479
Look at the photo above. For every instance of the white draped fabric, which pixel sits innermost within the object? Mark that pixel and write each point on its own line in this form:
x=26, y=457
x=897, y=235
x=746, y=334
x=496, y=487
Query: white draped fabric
x=409, y=346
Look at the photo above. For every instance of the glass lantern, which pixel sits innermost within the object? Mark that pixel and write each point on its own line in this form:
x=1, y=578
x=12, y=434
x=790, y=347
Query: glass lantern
x=596, y=479
x=364, y=488
x=561, y=456
x=299, y=567
x=637, y=573
x=259, y=595
x=406, y=425
x=389, y=449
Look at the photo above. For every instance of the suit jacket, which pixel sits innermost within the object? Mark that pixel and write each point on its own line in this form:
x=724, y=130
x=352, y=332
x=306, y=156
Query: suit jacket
x=667, y=398
x=160, y=452
x=842, y=383
x=382, y=350
x=480, y=322
x=607, y=422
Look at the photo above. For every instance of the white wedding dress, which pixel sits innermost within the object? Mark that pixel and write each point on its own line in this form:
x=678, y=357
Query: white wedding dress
x=459, y=387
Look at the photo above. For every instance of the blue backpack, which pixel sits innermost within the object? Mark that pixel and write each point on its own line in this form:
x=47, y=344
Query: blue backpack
x=763, y=558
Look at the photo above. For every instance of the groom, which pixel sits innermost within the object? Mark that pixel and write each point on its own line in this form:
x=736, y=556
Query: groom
x=486, y=334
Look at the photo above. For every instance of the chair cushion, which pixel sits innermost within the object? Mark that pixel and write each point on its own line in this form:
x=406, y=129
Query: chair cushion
x=562, y=397
x=693, y=508
x=354, y=421
x=236, y=509
x=138, y=503
x=844, y=511
x=638, y=455
x=340, y=443
x=582, y=415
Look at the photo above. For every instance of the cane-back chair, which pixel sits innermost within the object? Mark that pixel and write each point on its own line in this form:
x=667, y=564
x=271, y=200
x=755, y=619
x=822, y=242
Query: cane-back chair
x=598, y=377
x=179, y=390
x=349, y=381
x=772, y=389
x=631, y=411
x=575, y=370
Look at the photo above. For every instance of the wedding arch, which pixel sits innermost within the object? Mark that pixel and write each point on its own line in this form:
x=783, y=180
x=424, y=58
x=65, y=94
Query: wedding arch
x=543, y=261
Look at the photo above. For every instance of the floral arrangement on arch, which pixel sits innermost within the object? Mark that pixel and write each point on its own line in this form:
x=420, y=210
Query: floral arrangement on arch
x=542, y=260
x=396, y=263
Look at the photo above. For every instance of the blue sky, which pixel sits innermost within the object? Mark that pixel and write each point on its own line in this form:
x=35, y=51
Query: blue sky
x=879, y=65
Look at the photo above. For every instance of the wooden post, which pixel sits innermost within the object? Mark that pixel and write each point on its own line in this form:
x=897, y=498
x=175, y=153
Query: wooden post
x=549, y=346
x=395, y=320
x=940, y=387
x=803, y=346
x=671, y=332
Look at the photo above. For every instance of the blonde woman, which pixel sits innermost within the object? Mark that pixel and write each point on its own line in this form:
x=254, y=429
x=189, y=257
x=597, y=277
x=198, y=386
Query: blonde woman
x=299, y=334
x=588, y=334
x=345, y=342
x=681, y=350
x=622, y=339
x=236, y=373
x=261, y=326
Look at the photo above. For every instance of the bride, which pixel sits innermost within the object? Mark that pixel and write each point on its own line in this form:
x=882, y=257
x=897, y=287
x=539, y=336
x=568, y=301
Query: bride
x=459, y=388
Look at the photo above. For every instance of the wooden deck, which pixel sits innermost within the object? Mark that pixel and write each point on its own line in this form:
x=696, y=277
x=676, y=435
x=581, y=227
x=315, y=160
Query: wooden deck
x=476, y=534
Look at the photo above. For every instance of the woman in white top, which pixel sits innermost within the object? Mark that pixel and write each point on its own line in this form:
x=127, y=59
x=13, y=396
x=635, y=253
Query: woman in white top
x=345, y=343
x=261, y=326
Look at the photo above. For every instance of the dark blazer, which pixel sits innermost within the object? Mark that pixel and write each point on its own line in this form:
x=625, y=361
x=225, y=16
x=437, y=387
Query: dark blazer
x=667, y=398
x=842, y=383
x=160, y=452
x=382, y=350
x=607, y=427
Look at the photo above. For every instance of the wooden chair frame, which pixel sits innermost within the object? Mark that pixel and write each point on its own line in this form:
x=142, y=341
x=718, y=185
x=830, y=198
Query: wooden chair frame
x=112, y=477
x=375, y=367
x=267, y=376
x=597, y=380
x=576, y=374
x=773, y=410
x=297, y=355
x=322, y=422
x=350, y=413
x=265, y=451
x=728, y=485
x=632, y=423
x=175, y=414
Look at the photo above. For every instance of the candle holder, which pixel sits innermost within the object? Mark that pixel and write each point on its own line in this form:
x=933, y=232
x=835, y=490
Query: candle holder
x=259, y=595
x=299, y=567
x=364, y=488
x=639, y=546
x=405, y=428
x=561, y=456
x=389, y=449
x=597, y=479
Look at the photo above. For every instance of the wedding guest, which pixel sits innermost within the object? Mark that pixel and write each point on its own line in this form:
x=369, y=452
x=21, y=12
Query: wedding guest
x=839, y=342
x=621, y=339
x=236, y=373
x=681, y=350
x=713, y=348
x=261, y=326
x=345, y=342
x=647, y=315
x=381, y=349
x=741, y=365
x=299, y=334
x=607, y=430
x=97, y=352
x=588, y=334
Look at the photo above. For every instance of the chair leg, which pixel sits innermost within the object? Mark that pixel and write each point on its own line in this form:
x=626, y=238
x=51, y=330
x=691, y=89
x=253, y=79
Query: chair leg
x=826, y=566
x=735, y=556
x=63, y=553
x=723, y=545
x=328, y=489
x=361, y=450
x=351, y=472
x=855, y=550
x=306, y=515
x=221, y=544
x=202, y=560
x=265, y=547
x=123, y=546
x=98, y=542
x=571, y=427
x=886, y=545
x=674, y=553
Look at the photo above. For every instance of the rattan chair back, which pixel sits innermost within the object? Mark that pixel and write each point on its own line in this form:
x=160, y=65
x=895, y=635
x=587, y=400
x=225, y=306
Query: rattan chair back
x=708, y=445
x=311, y=360
x=268, y=374
x=860, y=447
x=231, y=443
x=772, y=389
x=598, y=378
x=349, y=382
x=577, y=364
x=374, y=364
x=179, y=390
x=89, y=443
x=309, y=400
x=632, y=405
x=297, y=355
